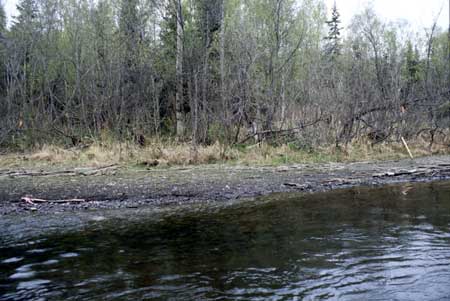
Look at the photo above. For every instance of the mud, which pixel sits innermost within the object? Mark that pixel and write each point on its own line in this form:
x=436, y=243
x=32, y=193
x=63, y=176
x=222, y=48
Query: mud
x=158, y=188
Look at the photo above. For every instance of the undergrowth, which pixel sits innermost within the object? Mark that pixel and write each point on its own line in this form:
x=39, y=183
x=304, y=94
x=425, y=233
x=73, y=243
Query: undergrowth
x=170, y=153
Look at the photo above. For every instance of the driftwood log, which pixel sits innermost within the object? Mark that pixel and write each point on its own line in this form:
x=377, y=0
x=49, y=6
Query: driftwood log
x=109, y=169
x=34, y=201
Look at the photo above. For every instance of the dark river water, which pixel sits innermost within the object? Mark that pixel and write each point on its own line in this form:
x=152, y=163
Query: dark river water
x=389, y=243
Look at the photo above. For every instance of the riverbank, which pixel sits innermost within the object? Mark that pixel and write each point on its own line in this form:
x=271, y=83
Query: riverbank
x=114, y=187
x=169, y=153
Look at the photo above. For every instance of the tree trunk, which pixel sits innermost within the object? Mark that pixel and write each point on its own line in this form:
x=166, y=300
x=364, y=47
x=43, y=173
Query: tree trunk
x=222, y=60
x=179, y=114
x=205, y=82
x=448, y=45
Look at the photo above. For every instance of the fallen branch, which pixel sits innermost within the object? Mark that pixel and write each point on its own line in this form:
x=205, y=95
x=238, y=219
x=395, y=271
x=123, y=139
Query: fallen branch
x=282, y=131
x=407, y=148
x=298, y=186
x=34, y=201
x=400, y=173
x=95, y=171
x=74, y=172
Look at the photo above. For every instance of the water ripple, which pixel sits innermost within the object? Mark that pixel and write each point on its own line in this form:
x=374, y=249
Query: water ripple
x=358, y=246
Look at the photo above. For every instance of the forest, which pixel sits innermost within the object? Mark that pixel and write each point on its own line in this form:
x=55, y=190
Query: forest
x=218, y=71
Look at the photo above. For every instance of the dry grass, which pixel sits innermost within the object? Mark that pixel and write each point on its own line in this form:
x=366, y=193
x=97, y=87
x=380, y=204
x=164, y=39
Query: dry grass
x=97, y=154
x=169, y=153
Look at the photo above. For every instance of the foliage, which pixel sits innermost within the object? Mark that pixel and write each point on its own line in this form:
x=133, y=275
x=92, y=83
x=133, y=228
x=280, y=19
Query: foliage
x=252, y=71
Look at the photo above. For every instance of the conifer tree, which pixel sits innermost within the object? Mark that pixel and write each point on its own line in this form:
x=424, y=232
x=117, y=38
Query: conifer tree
x=25, y=32
x=2, y=18
x=333, y=47
x=129, y=27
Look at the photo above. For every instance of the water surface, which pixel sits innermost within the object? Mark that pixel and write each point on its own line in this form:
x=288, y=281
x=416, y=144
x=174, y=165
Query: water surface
x=385, y=243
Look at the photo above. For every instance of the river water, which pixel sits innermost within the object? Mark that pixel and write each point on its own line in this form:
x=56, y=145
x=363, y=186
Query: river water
x=358, y=244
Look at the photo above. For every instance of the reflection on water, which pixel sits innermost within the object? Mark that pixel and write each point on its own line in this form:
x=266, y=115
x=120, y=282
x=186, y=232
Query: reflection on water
x=358, y=244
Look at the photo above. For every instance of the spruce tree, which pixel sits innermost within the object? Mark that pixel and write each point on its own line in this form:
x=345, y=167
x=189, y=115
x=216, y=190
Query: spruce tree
x=28, y=13
x=412, y=69
x=333, y=47
x=129, y=27
x=130, y=40
x=2, y=19
x=412, y=63
x=25, y=31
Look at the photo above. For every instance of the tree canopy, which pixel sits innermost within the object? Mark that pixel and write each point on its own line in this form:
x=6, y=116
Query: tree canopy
x=203, y=71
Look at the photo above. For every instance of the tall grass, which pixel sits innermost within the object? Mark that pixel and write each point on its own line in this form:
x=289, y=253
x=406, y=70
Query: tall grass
x=158, y=153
